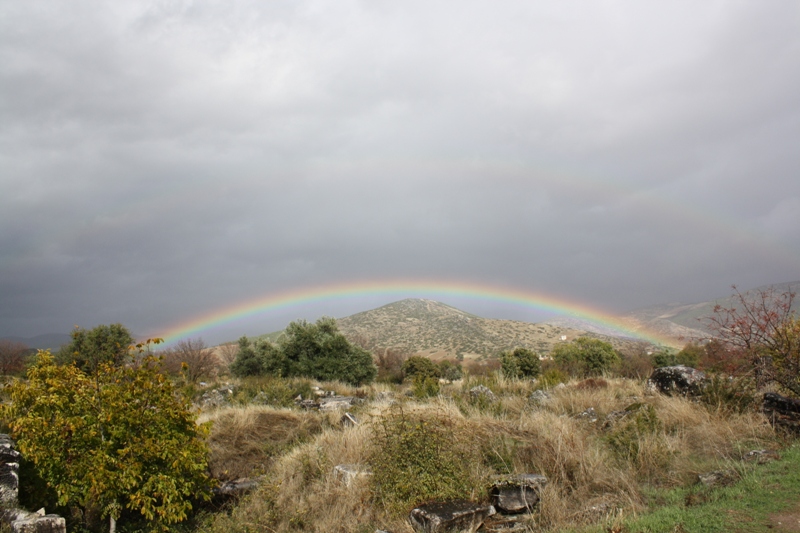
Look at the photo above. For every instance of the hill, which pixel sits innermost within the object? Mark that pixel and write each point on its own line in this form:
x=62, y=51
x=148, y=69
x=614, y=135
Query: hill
x=686, y=320
x=51, y=341
x=439, y=331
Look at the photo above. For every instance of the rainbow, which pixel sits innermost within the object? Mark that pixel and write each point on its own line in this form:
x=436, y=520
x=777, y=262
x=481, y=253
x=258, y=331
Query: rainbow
x=439, y=289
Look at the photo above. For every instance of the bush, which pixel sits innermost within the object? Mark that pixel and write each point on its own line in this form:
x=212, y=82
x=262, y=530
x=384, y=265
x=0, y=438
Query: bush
x=420, y=366
x=118, y=439
x=729, y=394
x=585, y=356
x=450, y=371
x=520, y=363
x=415, y=460
x=102, y=344
x=425, y=386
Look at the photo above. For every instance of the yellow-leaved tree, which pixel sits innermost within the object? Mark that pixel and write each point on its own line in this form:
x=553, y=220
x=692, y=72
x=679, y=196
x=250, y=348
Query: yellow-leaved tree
x=120, y=439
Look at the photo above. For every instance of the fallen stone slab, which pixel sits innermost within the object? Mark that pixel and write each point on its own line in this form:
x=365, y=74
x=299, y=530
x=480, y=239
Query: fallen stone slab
x=761, y=456
x=349, y=420
x=333, y=403
x=517, y=494
x=39, y=523
x=452, y=517
x=677, y=380
x=719, y=478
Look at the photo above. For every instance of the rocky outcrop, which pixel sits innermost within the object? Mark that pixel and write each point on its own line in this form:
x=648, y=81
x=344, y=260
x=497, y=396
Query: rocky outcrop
x=455, y=516
x=677, y=380
x=782, y=412
x=236, y=488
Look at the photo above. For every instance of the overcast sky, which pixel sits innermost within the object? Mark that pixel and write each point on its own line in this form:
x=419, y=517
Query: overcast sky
x=161, y=159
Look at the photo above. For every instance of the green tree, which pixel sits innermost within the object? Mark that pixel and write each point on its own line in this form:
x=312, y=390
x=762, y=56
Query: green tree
x=449, y=370
x=585, y=356
x=520, y=363
x=119, y=439
x=101, y=344
x=321, y=352
x=420, y=366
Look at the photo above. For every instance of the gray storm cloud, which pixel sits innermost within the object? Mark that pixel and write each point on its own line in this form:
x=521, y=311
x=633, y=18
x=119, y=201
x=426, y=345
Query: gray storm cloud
x=162, y=159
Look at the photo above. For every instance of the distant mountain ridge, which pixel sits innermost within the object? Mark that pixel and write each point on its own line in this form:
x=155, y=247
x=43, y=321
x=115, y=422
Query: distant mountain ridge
x=51, y=341
x=685, y=321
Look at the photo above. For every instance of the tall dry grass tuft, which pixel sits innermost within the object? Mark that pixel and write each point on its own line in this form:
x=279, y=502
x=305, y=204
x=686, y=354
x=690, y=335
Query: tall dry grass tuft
x=245, y=441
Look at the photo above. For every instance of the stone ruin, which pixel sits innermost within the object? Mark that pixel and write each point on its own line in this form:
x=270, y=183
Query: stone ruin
x=20, y=520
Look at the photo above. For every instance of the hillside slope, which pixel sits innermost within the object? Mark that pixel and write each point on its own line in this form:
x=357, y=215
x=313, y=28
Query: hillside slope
x=439, y=331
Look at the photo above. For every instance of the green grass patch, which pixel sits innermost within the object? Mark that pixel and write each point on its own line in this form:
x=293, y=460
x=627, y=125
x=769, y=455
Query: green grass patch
x=746, y=506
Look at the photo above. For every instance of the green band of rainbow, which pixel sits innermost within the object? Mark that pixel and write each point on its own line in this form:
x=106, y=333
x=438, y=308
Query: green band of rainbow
x=404, y=289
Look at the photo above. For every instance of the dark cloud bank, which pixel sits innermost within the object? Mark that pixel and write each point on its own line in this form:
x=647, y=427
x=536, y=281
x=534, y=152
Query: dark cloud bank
x=160, y=160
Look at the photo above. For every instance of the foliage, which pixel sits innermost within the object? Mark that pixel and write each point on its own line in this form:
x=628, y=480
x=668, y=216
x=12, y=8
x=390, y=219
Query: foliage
x=762, y=325
x=91, y=348
x=425, y=386
x=414, y=460
x=627, y=439
x=729, y=393
x=12, y=357
x=262, y=358
x=321, y=352
x=192, y=359
x=449, y=370
x=390, y=365
x=690, y=356
x=420, y=366
x=520, y=363
x=120, y=438
x=585, y=356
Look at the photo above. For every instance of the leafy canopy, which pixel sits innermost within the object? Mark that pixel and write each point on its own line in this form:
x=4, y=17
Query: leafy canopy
x=585, y=356
x=520, y=363
x=317, y=351
x=101, y=344
x=118, y=438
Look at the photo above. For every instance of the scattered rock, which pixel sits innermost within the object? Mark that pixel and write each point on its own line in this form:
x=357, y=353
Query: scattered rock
x=26, y=522
x=719, y=478
x=782, y=412
x=349, y=420
x=332, y=403
x=384, y=396
x=482, y=391
x=461, y=516
x=590, y=415
x=236, y=488
x=517, y=494
x=216, y=398
x=680, y=379
x=348, y=474
x=761, y=456
x=539, y=397
x=616, y=416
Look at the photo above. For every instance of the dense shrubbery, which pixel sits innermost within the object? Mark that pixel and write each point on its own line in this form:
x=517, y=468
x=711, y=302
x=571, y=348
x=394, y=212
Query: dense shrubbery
x=585, y=356
x=317, y=351
x=520, y=363
x=90, y=348
x=415, y=459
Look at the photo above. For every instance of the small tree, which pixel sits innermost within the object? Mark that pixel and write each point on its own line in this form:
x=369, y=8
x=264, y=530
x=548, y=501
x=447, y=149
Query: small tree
x=520, y=363
x=120, y=438
x=321, y=352
x=101, y=344
x=191, y=358
x=585, y=356
x=12, y=356
x=420, y=366
x=763, y=325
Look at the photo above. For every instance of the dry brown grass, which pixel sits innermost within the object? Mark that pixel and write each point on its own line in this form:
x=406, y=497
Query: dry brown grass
x=245, y=441
x=590, y=478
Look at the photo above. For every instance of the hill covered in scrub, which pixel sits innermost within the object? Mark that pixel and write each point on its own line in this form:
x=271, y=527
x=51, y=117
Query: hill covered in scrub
x=439, y=331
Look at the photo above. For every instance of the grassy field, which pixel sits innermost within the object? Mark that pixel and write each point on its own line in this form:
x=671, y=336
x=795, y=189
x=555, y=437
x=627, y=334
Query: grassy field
x=632, y=467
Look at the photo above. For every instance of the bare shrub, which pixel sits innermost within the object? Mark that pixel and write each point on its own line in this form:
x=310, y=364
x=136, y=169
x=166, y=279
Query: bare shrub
x=191, y=358
x=12, y=356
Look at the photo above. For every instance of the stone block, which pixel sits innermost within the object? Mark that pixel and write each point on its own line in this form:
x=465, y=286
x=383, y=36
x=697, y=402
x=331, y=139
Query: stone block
x=451, y=517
